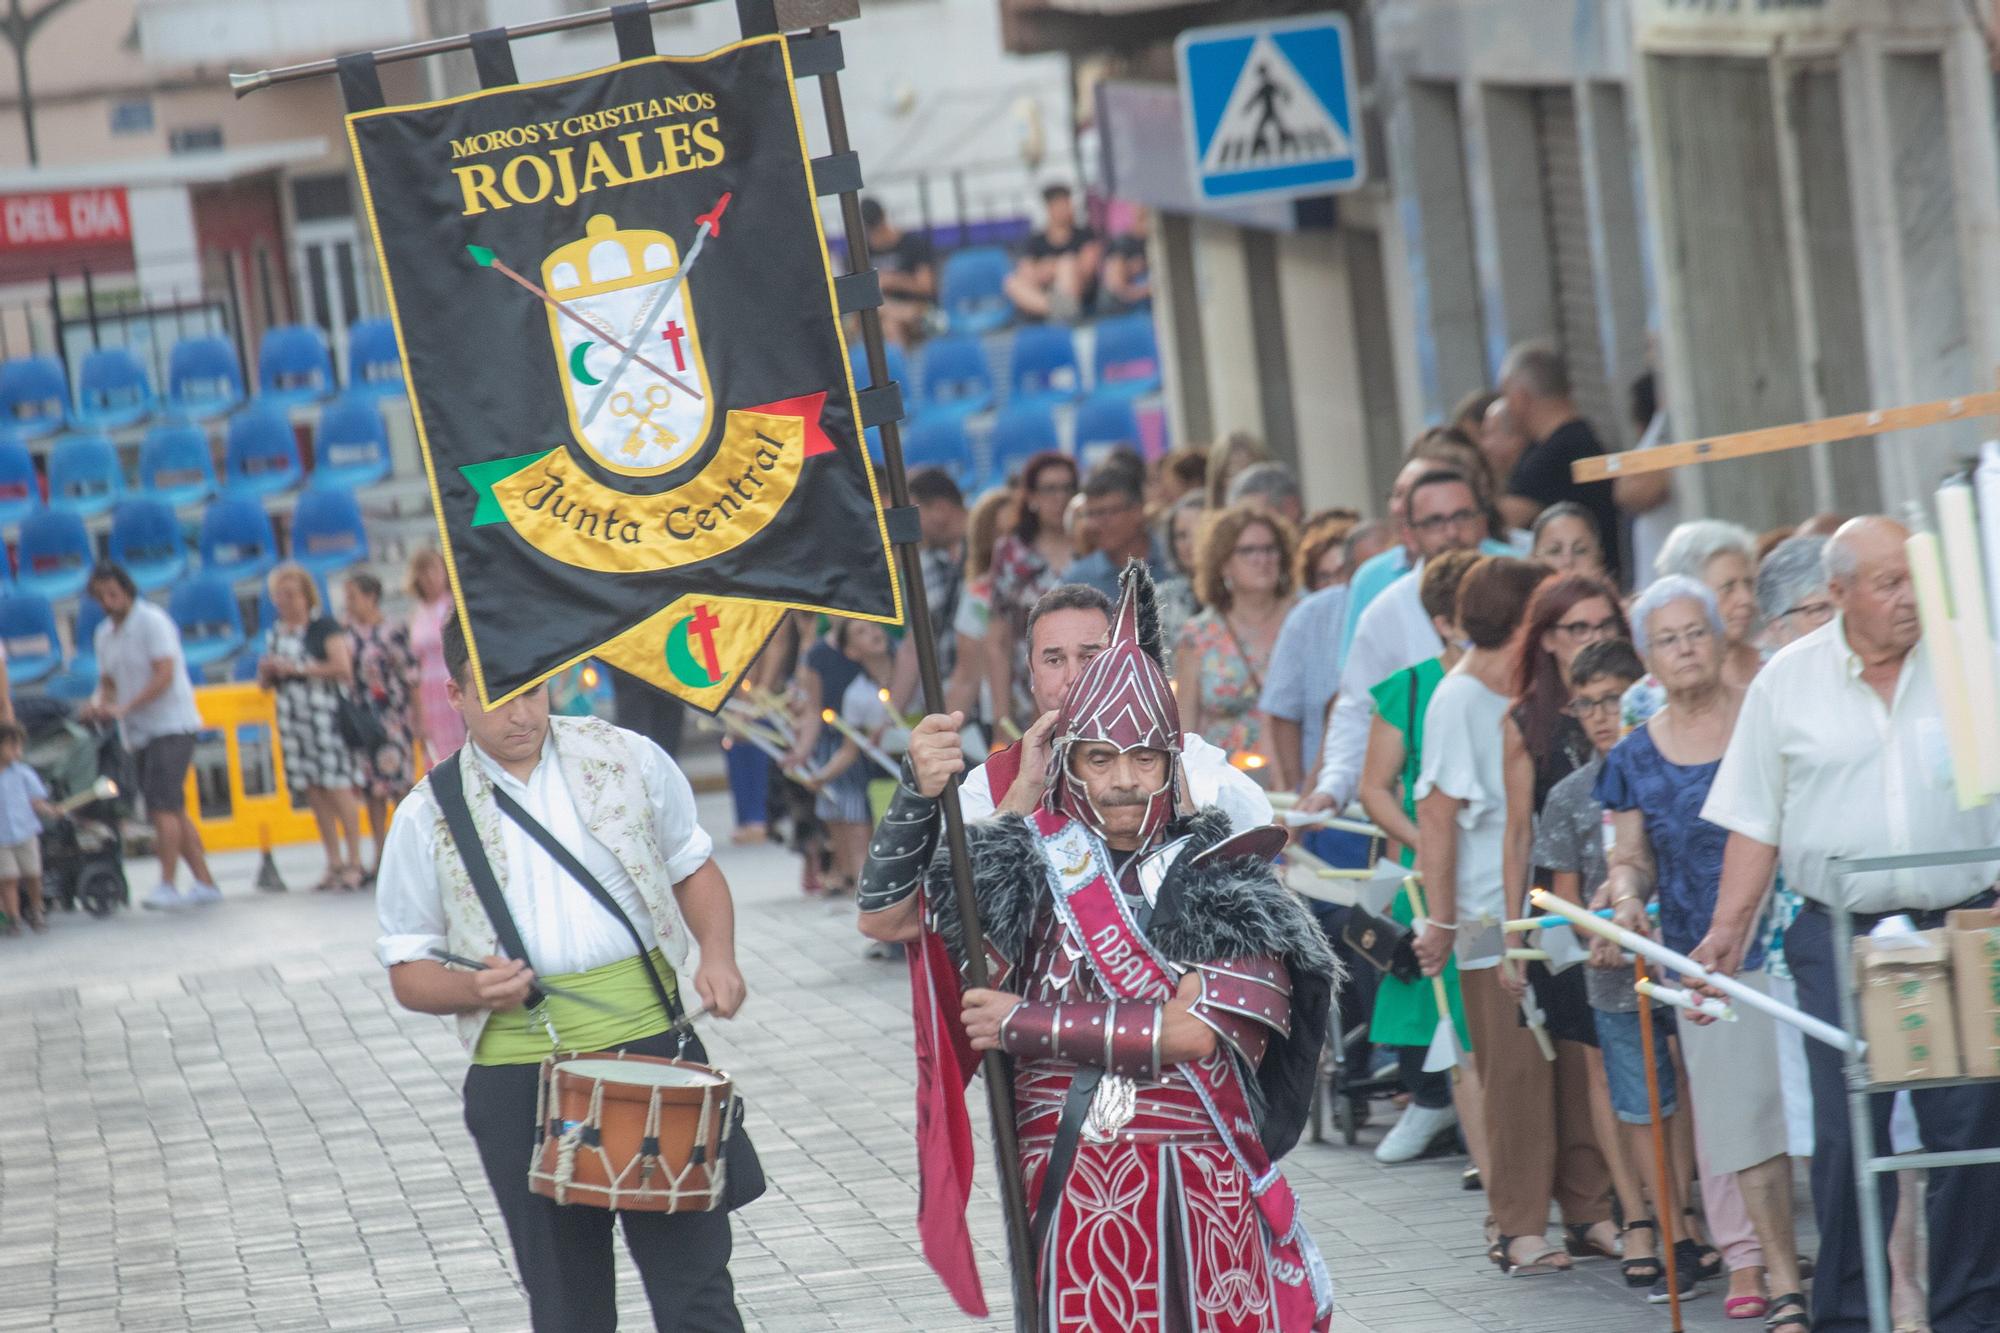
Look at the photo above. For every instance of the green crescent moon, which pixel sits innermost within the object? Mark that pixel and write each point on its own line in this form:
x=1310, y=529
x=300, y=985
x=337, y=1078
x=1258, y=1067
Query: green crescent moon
x=687, y=668
x=576, y=366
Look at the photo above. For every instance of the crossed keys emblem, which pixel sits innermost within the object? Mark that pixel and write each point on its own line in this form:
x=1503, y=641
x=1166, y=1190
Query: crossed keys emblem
x=645, y=430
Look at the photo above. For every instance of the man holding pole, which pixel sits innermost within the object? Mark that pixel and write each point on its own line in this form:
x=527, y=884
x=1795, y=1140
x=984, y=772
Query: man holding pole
x=1146, y=1154
x=1841, y=751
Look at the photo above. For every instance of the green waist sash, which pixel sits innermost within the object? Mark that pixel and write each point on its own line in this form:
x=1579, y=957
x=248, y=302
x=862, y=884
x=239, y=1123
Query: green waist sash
x=518, y=1037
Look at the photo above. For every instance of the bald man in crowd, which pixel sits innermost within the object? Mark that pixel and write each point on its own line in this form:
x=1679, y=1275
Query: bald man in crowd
x=1841, y=751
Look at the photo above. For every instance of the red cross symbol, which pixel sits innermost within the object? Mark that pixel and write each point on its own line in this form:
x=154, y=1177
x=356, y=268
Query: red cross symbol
x=703, y=627
x=673, y=333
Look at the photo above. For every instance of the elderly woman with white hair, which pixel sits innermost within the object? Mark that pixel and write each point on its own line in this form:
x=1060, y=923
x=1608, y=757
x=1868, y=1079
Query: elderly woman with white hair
x=1723, y=557
x=1654, y=783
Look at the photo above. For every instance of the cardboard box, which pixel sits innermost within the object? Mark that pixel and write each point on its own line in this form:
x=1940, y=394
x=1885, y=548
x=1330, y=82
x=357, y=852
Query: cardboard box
x=1974, y=937
x=1906, y=1007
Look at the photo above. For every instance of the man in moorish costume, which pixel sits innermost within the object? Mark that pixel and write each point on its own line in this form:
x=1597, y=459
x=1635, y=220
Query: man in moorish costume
x=1164, y=1001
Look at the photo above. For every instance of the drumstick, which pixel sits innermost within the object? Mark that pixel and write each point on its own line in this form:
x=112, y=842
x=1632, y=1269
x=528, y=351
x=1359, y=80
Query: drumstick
x=559, y=992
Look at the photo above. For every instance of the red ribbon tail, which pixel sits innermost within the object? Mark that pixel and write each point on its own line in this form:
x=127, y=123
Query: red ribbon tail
x=807, y=407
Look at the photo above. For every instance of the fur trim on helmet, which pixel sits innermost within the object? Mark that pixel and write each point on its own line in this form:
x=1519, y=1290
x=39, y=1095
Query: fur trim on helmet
x=1137, y=582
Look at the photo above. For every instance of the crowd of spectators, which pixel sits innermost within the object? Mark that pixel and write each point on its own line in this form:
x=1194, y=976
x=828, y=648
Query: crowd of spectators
x=1522, y=683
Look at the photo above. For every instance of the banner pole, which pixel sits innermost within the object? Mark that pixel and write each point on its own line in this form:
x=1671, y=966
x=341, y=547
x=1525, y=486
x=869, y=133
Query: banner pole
x=999, y=1077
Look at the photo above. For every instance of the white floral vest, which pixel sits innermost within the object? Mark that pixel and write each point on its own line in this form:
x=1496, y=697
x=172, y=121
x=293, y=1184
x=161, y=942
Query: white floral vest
x=601, y=767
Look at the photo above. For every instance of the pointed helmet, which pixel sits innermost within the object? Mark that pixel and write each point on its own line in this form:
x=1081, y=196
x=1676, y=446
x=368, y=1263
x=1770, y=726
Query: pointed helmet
x=1122, y=699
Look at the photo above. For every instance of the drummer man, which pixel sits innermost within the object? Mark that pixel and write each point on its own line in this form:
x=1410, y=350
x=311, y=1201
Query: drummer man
x=619, y=803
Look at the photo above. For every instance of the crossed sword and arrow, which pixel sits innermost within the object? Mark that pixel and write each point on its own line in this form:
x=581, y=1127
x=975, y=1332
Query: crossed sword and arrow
x=711, y=223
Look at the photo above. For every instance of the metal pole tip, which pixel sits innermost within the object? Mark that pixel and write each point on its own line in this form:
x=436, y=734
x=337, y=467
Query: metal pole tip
x=239, y=84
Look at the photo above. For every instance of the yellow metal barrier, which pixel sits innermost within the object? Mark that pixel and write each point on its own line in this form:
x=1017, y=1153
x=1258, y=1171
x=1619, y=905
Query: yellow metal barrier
x=236, y=785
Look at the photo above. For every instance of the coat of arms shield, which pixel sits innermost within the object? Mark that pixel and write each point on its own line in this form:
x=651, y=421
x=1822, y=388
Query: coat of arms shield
x=628, y=286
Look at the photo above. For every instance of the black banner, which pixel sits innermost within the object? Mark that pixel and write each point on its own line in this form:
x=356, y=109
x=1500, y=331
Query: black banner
x=622, y=348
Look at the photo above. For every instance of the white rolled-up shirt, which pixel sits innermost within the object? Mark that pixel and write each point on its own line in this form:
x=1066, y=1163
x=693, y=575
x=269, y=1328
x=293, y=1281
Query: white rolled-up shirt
x=562, y=927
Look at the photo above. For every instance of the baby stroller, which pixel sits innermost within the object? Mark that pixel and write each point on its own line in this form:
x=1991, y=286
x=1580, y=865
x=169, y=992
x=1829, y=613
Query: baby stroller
x=83, y=856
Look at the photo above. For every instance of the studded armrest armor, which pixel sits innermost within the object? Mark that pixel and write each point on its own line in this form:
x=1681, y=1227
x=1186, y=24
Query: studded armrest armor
x=901, y=848
x=1245, y=1001
x=1118, y=1036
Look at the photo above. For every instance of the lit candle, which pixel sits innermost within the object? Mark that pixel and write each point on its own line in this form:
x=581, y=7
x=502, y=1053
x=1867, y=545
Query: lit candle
x=868, y=748
x=1958, y=532
x=1947, y=663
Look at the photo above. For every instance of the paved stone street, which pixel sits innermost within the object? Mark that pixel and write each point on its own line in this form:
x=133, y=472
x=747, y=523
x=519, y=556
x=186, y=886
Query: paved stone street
x=219, y=1120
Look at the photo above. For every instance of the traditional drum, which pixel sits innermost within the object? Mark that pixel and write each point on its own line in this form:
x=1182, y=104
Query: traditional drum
x=631, y=1132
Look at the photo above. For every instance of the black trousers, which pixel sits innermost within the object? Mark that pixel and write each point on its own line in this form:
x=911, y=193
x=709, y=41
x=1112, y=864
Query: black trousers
x=1963, y=1203
x=1357, y=997
x=564, y=1251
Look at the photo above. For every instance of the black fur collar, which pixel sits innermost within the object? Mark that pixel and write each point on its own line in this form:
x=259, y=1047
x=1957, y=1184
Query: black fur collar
x=1230, y=908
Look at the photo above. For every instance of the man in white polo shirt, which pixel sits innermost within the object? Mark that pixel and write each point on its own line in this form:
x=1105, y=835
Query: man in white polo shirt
x=1840, y=751
x=143, y=686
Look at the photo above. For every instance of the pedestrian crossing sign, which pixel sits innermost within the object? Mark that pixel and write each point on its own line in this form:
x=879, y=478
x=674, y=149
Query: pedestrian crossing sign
x=1270, y=108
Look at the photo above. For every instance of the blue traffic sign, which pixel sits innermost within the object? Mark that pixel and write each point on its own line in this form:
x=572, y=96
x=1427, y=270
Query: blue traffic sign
x=1271, y=108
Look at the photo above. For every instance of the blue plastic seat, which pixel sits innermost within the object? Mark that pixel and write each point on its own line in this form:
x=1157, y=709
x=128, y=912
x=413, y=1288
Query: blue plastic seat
x=937, y=439
x=84, y=476
x=1042, y=367
x=210, y=622
x=327, y=531
x=351, y=447
x=20, y=489
x=113, y=389
x=956, y=376
x=244, y=669
x=261, y=455
x=176, y=465
x=34, y=396
x=972, y=289
x=55, y=554
x=294, y=365
x=1021, y=431
x=1106, y=419
x=1127, y=356
x=374, y=360
x=236, y=539
x=146, y=539
x=203, y=378
x=28, y=629
x=77, y=680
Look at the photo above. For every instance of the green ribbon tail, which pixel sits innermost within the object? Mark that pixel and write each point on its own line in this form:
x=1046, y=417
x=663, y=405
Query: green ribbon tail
x=485, y=476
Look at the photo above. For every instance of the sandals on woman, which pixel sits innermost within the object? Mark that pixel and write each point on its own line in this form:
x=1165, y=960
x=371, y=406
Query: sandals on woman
x=1789, y=1312
x=1642, y=1272
x=1582, y=1245
x=1537, y=1265
x=1704, y=1258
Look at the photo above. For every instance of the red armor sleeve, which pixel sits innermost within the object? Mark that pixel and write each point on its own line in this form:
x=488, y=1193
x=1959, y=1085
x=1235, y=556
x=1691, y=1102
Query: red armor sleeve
x=1118, y=1036
x=1245, y=1000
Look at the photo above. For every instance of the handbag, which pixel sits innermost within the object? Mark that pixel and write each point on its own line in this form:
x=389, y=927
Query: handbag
x=355, y=721
x=744, y=1180
x=1387, y=944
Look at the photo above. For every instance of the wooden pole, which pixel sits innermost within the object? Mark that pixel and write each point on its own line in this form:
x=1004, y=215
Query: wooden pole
x=999, y=1074
x=1663, y=1197
x=1776, y=439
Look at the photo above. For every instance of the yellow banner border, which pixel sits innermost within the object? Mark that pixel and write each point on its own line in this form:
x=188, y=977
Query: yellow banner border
x=423, y=439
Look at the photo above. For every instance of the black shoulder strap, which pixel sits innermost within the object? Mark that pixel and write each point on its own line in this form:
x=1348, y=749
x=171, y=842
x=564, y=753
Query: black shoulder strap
x=669, y=1000
x=448, y=790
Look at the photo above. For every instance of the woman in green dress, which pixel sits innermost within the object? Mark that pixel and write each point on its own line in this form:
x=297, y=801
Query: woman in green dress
x=1406, y=1015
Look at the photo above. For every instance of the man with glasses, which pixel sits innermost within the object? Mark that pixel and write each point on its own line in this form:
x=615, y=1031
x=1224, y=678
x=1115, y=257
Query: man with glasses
x=1442, y=513
x=1114, y=507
